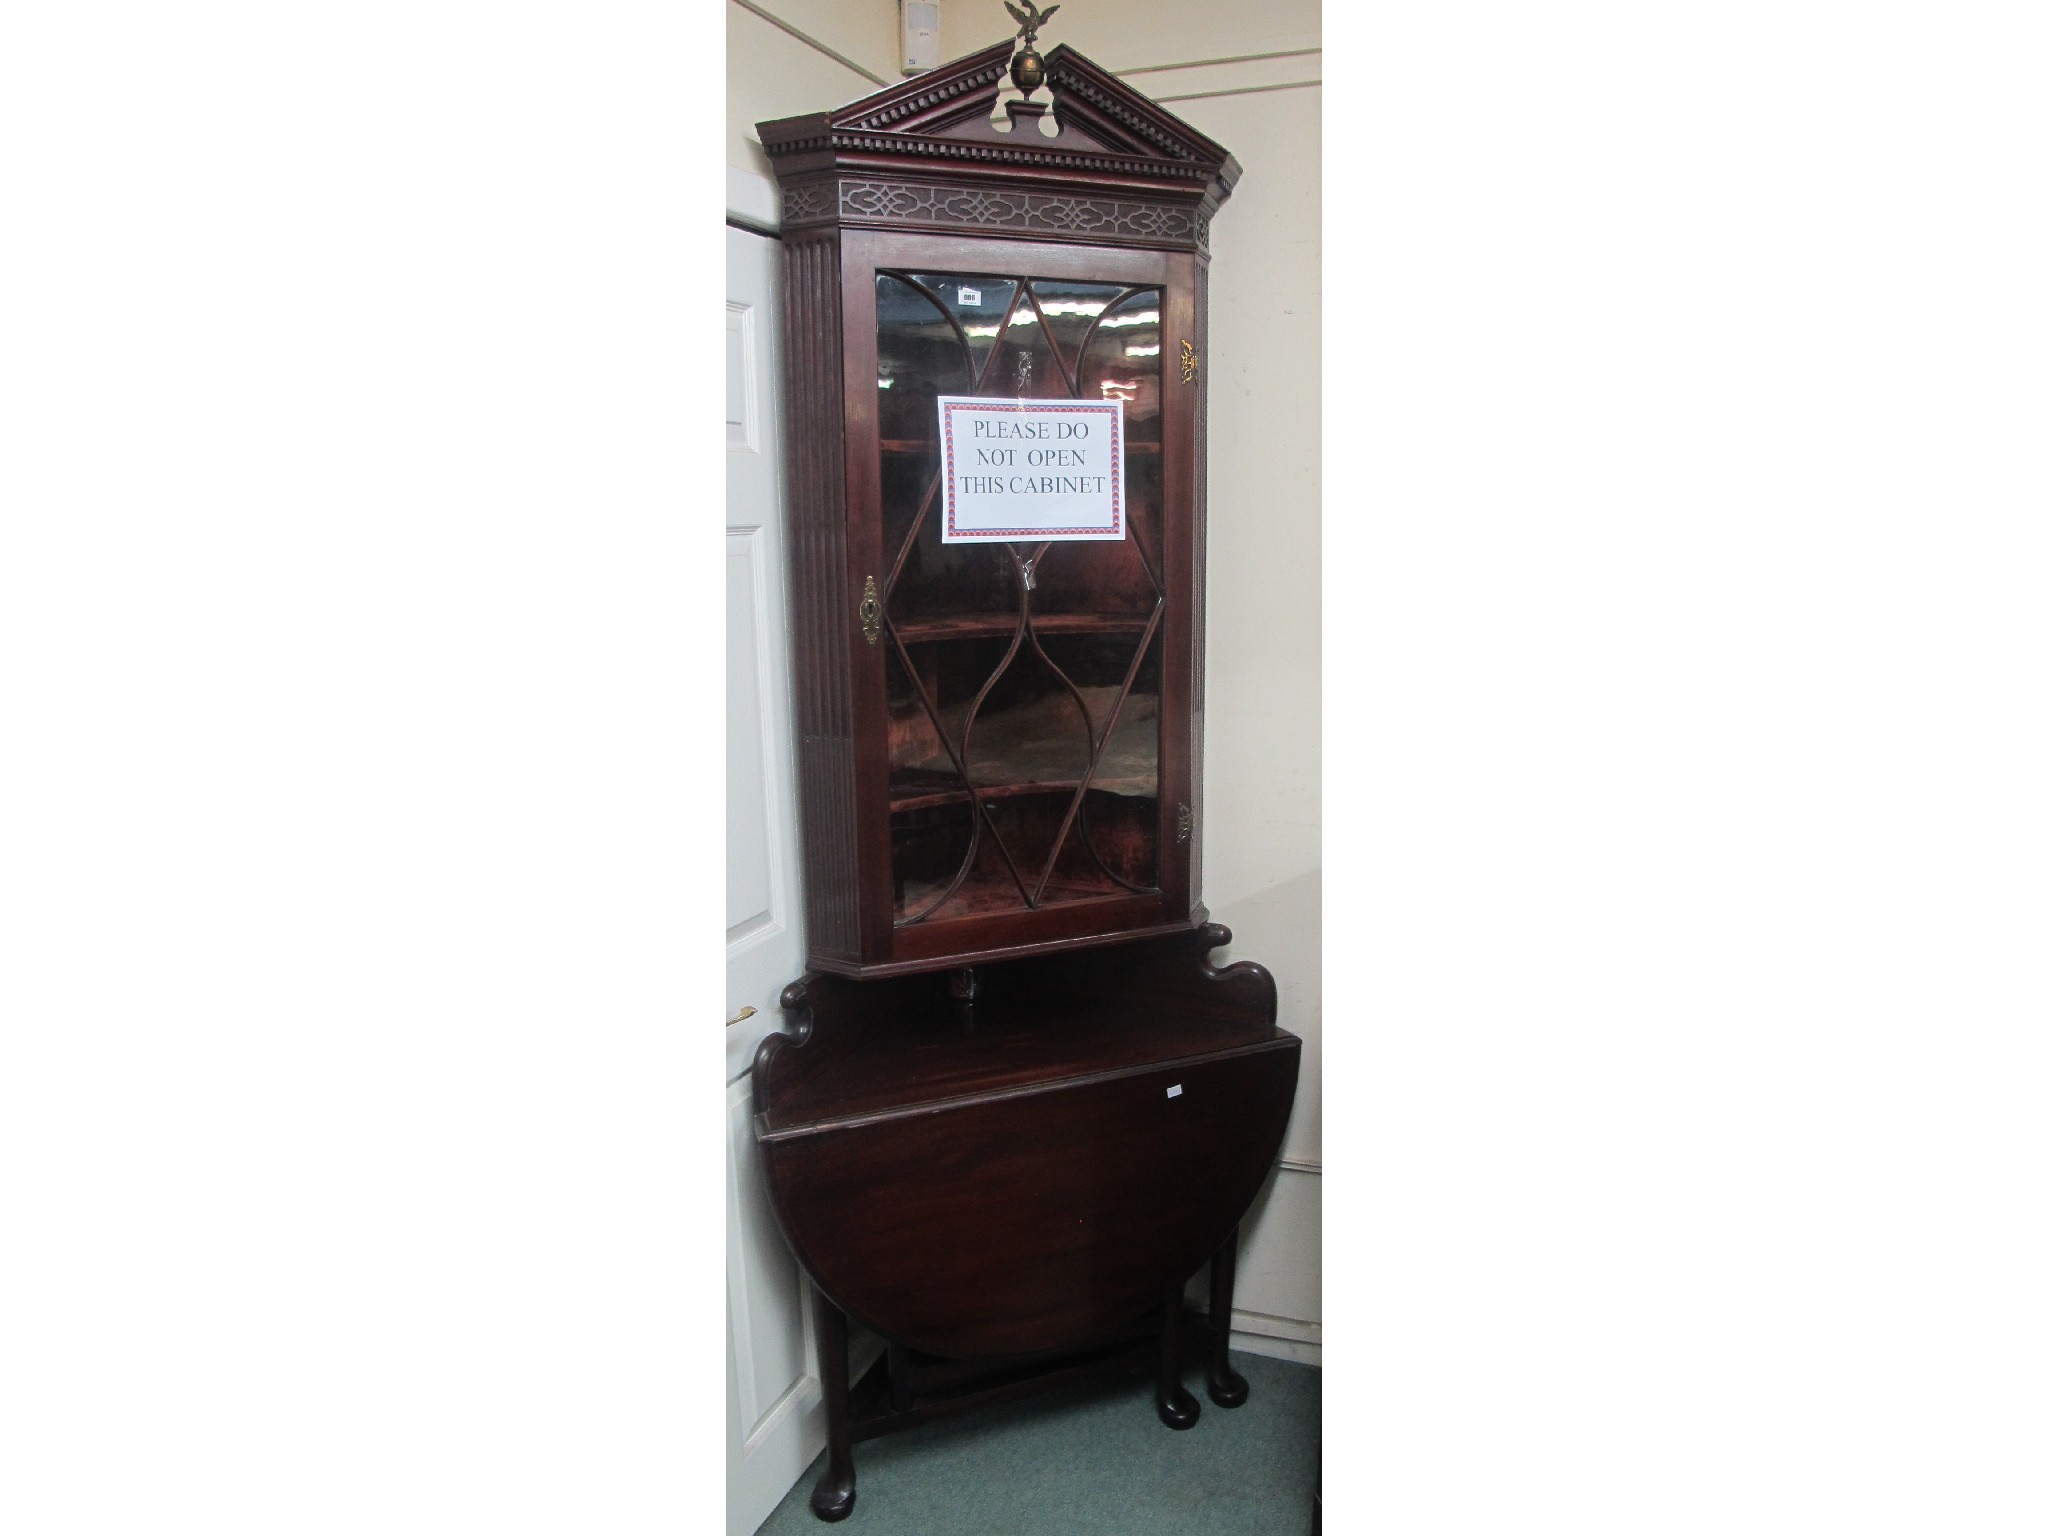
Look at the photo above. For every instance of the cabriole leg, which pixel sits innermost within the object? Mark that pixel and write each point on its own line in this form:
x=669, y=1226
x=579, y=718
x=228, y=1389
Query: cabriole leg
x=832, y=1499
x=1227, y=1389
x=1177, y=1406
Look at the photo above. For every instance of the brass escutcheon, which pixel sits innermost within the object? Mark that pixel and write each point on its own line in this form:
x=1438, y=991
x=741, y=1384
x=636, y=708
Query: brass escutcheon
x=1190, y=363
x=871, y=613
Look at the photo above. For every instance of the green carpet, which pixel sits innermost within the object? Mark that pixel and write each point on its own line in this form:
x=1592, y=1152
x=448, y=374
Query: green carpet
x=1092, y=1459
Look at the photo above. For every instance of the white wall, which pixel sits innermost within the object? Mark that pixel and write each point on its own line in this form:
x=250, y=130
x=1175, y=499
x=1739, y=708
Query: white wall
x=1263, y=861
x=769, y=73
x=1263, y=788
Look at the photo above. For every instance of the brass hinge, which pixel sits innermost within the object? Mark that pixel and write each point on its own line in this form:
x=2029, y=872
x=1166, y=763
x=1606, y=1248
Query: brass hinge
x=1185, y=829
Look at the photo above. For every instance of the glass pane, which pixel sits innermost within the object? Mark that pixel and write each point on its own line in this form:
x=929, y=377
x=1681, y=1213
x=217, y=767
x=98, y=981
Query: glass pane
x=1122, y=363
x=1111, y=580
x=923, y=355
x=1070, y=311
x=1023, y=678
x=923, y=351
x=979, y=304
x=1026, y=368
x=1117, y=677
x=1031, y=731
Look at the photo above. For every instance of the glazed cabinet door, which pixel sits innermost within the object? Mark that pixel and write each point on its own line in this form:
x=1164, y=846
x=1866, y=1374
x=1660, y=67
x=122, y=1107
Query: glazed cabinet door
x=1026, y=705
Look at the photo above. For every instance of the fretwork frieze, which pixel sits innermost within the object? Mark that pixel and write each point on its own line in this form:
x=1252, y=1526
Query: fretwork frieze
x=909, y=204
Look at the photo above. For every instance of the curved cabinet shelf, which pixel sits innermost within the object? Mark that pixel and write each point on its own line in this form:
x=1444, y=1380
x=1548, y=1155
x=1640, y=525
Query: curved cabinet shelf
x=1000, y=626
x=985, y=891
x=920, y=789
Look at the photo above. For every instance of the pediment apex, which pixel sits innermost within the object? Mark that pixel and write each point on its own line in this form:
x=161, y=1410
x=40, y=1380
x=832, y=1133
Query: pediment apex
x=1099, y=115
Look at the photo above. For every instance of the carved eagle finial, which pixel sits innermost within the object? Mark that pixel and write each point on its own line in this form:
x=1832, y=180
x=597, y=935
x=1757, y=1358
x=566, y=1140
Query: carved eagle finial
x=1027, y=69
x=1029, y=20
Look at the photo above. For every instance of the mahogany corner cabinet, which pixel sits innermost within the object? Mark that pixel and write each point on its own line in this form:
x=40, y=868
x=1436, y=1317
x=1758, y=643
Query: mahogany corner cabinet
x=1016, y=1109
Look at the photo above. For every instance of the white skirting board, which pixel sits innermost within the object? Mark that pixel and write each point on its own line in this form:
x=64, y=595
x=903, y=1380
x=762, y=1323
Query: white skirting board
x=1278, y=1338
x=1278, y=1306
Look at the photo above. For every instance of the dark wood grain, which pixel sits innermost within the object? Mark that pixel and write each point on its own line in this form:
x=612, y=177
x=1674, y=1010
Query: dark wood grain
x=1176, y=1405
x=973, y=625
x=1123, y=170
x=821, y=607
x=832, y=1497
x=1025, y=1052
x=862, y=513
x=1060, y=931
x=1006, y=1224
x=857, y=1047
x=1198, y=603
x=1227, y=1389
x=1011, y=1171
x=907, y=794
x=1181, y=425
x=1036, y=1179
x=1170, y=975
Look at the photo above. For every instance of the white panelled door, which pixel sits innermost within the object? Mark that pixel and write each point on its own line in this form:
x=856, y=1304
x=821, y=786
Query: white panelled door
x=775, y=1421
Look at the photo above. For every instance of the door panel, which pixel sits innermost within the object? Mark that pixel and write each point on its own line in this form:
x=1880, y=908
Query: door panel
x=767, y=1307
x=774, y=1410
x=750, y=907
x=764, y=917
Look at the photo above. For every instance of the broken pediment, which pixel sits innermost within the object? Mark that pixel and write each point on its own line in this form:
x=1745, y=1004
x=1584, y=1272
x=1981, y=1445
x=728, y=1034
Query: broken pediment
x=947, y=117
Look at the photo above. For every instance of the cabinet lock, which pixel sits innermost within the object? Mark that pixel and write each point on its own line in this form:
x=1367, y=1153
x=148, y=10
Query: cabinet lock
x=870, y=613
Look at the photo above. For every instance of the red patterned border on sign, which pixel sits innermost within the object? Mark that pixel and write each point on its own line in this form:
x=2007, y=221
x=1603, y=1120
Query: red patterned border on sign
x=1116, y=453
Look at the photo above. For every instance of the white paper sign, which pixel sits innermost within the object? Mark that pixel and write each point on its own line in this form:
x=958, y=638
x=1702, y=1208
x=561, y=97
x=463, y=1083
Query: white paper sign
x=1037, y=470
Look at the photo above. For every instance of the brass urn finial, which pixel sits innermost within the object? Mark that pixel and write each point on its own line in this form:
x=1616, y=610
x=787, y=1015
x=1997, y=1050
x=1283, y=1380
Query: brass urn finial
x=1027, y=68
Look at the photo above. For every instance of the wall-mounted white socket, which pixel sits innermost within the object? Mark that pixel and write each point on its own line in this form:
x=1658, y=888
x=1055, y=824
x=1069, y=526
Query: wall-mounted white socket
x=920, y=35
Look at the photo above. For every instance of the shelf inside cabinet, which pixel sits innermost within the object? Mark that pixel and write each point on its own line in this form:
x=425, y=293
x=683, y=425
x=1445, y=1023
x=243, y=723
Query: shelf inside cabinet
x=987, y=891
x=921, y=788
x=1017, y=753
x=1000, y=626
